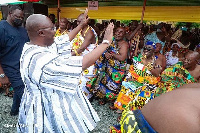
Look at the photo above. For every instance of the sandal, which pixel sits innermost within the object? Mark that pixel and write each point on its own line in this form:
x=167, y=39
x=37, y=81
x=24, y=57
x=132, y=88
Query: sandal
x=102, y=102
x=119, y=111
x=119, y=119
x=10, y=94
x=112, y=107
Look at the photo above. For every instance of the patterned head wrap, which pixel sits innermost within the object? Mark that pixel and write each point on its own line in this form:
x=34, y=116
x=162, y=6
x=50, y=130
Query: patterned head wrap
x=151, y=43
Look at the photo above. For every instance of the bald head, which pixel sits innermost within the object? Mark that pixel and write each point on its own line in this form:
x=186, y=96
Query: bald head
x=40, y=29
x=37, y=21
x=193, y=54
x=191, y=59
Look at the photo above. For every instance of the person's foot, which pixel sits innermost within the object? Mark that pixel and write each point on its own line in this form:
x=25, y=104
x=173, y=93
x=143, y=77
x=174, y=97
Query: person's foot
x=119, y=111
x=119, y=119
x=102, y=102
x=13, y=114
x=112, y=107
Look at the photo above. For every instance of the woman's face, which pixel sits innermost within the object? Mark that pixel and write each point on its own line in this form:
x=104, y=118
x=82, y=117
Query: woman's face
x=175, y=47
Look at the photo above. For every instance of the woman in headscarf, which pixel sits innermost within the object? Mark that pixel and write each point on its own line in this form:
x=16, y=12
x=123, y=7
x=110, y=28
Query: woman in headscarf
x=174, y=56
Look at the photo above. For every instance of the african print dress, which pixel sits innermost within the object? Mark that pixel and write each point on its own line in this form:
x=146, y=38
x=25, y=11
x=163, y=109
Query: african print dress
x=138, y=86
x=109, y=75
x=89, y=73
x=172, y=78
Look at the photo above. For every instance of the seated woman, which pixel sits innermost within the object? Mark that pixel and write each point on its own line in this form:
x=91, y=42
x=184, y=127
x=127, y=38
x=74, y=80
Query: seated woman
x=174, y=56
x=110, y=69
x=142, y=79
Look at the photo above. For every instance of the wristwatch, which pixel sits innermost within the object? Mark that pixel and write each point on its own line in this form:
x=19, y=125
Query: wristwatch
x=106, y=41
x=2, y=75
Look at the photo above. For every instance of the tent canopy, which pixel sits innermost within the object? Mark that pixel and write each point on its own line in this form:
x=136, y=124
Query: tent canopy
x=157, y=10
x=83, y=3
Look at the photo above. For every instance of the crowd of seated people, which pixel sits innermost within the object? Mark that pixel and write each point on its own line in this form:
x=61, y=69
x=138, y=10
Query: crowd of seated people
x=142, y=62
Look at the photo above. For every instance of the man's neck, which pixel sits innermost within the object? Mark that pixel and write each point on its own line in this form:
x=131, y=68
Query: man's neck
x=9, y=21
x=192, y=68
x=157, y=53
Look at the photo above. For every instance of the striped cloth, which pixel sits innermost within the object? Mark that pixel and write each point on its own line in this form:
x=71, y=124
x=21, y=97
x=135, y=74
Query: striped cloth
x=53, y=101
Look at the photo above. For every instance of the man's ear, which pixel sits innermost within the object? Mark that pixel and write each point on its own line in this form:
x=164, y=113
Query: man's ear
x=41, y=33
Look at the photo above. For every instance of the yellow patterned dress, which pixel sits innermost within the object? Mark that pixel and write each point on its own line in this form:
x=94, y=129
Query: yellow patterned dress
x=58, y=32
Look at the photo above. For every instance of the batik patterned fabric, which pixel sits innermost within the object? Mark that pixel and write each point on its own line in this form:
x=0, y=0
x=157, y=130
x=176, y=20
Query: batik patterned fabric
x=53, y=101
x=172, y=78
x=132, y=122
x=89, y=73
x=109, y=75
x=138, y=86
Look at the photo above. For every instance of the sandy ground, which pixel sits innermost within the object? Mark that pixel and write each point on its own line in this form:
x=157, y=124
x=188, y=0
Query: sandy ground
x=8, y=123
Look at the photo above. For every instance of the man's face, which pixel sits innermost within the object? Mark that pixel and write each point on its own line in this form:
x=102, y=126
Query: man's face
x=119, y=33
x=63, y=24
x=148, y=50
x=48, y=32
x=189, y=61
x=158, y=47
x=17, y=17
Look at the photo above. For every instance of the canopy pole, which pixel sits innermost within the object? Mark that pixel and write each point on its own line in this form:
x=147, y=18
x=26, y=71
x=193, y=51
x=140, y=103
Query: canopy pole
x=58, y=12
x=143, y=10
x=141, y=21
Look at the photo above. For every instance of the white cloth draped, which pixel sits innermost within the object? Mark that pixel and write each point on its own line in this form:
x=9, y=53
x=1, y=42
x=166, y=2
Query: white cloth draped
x=53, y=101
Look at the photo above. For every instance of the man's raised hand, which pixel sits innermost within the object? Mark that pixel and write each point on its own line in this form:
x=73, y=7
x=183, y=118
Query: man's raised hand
x=108, y=34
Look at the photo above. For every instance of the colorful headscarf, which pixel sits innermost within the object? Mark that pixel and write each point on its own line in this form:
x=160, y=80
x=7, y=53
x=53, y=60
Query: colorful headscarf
x=151, y=43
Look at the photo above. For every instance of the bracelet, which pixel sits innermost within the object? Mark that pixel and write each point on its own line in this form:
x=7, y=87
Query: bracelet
x=76, y=52
x=106, y=41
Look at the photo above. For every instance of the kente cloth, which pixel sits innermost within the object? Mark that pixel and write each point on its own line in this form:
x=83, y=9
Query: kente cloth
x=138, y=86
x=153, y=38
x=53, y=100
x=132, y=122
x=171, y=60
x=172, y=78
x=58, y=32
x=109, y=75
x=132, y=46
x=88, y=73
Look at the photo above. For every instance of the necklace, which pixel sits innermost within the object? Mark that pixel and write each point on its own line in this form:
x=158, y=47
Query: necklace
x=149, y=66
x=176, y=55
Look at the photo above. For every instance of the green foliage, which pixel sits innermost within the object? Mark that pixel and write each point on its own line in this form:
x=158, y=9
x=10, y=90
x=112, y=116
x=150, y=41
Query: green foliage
x=182, y=24
x=195, y=25
x=126, y=22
